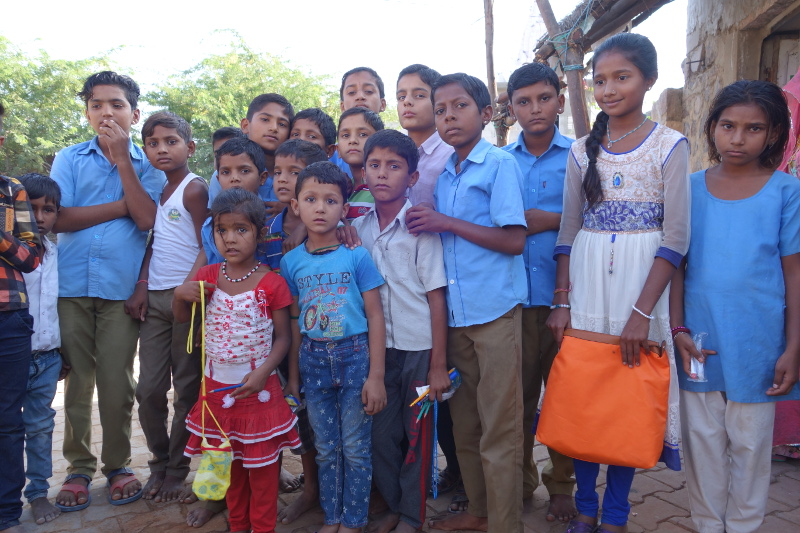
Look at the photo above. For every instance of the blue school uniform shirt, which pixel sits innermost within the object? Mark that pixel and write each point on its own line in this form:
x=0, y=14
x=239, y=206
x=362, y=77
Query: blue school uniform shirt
x=329, y=288
x=269, y=251
x=101, y=261
x=542, y=188
x=339, y=162
x=265, y=191
x=482, y=284
x=734, y=288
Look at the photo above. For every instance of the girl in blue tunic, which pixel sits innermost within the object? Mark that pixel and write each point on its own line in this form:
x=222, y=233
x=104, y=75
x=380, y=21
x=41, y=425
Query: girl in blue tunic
x=741, y=285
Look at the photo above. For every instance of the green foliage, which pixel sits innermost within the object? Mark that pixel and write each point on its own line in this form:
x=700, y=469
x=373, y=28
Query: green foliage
x=43, y=114
x=217, y=91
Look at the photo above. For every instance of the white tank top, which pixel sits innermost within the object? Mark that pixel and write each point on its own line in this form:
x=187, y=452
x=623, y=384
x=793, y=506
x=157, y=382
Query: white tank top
x=175, y=247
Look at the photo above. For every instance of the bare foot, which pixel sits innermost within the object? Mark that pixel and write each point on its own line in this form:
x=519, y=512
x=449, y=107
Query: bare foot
x=405, y=527
x=67, y=498
x=128, y=490
x=459, y=521
x=172, y=489
x=153, y=485
x=199, y=517
x=189, y=497
x=288, y=482
x=385, y=523
x=333, y=528
x=44, y=511
x=562, y=507
x=307, y=500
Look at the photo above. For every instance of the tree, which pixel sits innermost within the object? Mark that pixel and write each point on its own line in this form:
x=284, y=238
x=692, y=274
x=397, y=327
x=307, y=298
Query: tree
x=216, y=92
x=43, y=113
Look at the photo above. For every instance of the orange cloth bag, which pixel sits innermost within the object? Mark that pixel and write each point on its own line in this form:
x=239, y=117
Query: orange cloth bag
x=596, y=409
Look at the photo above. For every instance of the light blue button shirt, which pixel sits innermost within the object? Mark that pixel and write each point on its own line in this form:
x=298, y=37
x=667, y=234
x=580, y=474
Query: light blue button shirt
x=482, y=284
x=265, y=192
x=102, y=261
x=543, y=188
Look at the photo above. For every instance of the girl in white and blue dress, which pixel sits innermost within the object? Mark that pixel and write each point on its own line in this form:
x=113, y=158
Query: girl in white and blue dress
x=624, y=230
x=741, y=286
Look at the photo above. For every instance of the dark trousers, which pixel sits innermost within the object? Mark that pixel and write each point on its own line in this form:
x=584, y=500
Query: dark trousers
x=16, y=328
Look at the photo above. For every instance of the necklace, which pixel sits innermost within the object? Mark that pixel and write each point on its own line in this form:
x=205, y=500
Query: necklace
x=253, y=271
x=317, y=250
x=608, y=132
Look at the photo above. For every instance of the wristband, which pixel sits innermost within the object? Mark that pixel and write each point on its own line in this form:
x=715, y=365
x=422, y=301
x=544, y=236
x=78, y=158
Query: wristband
x=648, y=317
x=142, y=281
x=680, y=329
x=560, y=306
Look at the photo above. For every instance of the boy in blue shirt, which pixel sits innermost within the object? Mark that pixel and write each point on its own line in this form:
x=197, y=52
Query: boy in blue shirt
x=482, y=225
x=109, y=192
x=316, y=126
x=341, y=355
x=541, y=152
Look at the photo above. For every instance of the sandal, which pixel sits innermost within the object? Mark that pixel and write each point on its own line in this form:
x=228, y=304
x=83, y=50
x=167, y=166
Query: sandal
x=76, y=489
x=576, y=526
x=448, y=481
x=458, y=500
x=129, y=478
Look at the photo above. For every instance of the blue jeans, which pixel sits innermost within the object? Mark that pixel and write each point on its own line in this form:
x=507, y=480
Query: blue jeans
x=38, y=416
x=16, y=328
x=615, y=500
x=334, y=374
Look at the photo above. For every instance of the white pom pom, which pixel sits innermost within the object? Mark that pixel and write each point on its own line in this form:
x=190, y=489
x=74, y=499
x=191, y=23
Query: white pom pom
x=263, y=396
x=228, y=401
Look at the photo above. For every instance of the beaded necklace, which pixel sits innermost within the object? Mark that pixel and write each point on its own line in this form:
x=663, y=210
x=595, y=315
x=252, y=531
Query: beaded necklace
x=253, y=271
x=608, y=132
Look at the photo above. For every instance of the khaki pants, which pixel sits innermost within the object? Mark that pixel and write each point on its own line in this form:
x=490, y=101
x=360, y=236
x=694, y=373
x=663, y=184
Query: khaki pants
x=99, y=341
x=164, y=362
x=487, y=417
x=538, y=352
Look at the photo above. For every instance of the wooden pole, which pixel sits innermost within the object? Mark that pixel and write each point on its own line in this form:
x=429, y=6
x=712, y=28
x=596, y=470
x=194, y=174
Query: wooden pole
x=572, y=56
x=500, y=128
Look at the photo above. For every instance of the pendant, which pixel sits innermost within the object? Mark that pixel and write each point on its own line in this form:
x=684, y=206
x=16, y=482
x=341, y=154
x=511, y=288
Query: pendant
x=618, y=181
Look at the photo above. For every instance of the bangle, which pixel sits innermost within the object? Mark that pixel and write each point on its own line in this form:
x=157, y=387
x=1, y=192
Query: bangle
x=648, y=317
x=560, y=306
x=142, y=281
x=680, y=329
x=569, y=289
x=678, y=333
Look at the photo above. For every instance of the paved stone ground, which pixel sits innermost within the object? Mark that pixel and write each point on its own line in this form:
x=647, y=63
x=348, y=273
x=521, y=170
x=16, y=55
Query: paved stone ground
x=659, y=499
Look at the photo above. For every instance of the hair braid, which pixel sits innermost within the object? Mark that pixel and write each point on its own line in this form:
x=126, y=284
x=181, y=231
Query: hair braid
x=591, y=180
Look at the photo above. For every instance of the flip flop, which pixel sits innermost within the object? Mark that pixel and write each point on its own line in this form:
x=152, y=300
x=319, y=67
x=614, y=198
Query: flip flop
x=75, y=489
x=130, y=478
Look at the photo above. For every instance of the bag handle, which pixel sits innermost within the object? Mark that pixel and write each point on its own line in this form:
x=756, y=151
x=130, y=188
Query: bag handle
x=189, y=346
x=605, y=338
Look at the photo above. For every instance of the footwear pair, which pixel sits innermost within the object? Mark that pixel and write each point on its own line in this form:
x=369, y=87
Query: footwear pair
x=576, y=526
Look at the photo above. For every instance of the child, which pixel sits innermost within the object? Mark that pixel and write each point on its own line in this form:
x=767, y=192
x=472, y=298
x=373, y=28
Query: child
x=267, y=123
x=624, y=229
x=416, y=330
x=108, y=204
x=355, y=126
x=415, y=111
x=341, y=360
x=163, y=360
x=247, y=335
x=541, y=152
x=221, y=135
x=47, y=367
x=480, y=217
x=316, y=126
x=742, y=288
x=20, y=250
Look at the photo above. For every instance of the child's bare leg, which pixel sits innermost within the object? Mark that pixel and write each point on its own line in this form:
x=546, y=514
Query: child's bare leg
x=287, y=482
x=44, y=511
x=309, y=498
x=200, y=516
x=562, y=507
x=153, y=485
x=384, y=523
x=172, y=489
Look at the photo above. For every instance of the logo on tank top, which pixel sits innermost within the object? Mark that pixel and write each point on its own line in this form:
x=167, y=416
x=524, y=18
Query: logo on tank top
x=174, y=215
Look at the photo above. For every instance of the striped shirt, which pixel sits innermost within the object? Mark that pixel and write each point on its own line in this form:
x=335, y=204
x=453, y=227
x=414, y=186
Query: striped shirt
x=20, y=246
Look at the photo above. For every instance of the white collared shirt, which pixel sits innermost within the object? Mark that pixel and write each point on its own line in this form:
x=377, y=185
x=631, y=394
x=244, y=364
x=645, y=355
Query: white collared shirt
x=412, y=267
x=42, y=285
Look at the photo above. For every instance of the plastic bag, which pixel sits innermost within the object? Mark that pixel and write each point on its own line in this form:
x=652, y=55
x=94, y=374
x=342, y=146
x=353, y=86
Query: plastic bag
x=214, y=472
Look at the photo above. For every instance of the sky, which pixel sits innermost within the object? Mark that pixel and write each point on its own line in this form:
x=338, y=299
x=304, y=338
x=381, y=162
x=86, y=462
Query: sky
x=317, y=36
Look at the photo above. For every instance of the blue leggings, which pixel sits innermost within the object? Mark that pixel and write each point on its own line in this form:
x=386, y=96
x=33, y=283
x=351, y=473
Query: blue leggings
x=615, y=499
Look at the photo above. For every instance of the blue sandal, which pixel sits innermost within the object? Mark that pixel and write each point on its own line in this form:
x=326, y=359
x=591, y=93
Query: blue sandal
x=576, y=526
x=76, y=489
x=130, y=478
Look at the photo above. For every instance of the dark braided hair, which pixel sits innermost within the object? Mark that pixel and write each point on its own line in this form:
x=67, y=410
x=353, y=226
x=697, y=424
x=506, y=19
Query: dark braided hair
x=640, y=51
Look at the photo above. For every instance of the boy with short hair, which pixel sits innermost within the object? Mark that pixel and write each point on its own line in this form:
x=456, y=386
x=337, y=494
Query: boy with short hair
x=415, y=111
x=20, y=250
x=355, y=126
x=47, y=367
x=316, y=126
x=267, y=123
x=163, y=359
x=108, y=204
x=415, y=311
x=341, y=356
x=221, y=135
x=541, y=152
x=482, y=225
